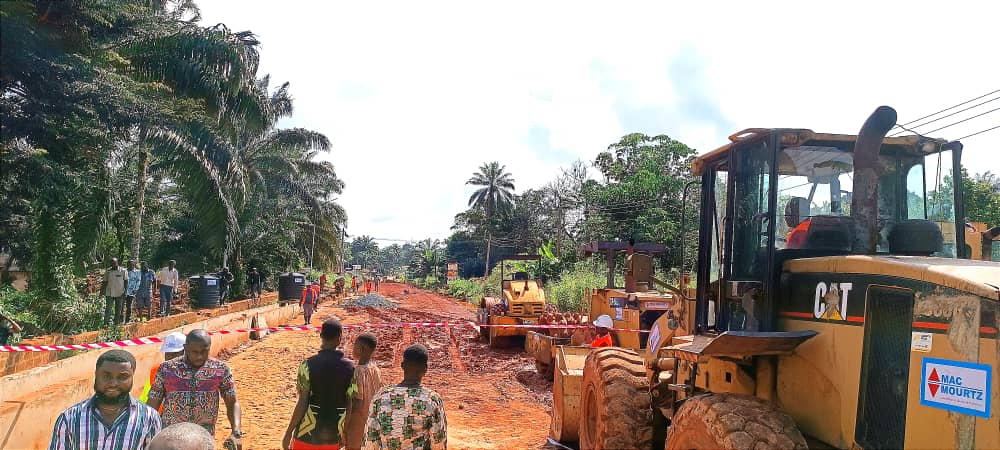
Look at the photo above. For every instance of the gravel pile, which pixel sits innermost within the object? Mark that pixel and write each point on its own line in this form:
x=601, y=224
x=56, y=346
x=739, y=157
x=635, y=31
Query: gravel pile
x=370, y=301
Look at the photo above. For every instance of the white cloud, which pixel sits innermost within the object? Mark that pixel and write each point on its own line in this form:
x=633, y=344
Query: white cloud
x=416, y=95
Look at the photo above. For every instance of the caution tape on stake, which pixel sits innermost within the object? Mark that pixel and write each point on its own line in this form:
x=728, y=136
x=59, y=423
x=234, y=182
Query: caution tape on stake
x=155, y=340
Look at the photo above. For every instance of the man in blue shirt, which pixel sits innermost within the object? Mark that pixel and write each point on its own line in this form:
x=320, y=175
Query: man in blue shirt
x=144, y=293
x=130, y=289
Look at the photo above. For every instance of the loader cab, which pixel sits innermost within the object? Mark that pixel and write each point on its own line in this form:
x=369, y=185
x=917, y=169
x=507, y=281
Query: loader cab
x=771, y=195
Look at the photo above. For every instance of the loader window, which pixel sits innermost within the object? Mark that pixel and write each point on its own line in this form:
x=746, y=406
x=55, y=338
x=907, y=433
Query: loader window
x=752, y=211
x=812, y=181
x=941, y=198
x=916, y=204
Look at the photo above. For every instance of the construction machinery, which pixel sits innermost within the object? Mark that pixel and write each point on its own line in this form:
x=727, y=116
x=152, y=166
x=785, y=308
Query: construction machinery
x=980, y=241
x=828, y=311
x=634, y=306
x=522, y=302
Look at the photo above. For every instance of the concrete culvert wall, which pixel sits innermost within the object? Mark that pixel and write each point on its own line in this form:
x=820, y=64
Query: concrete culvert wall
x=31, y=401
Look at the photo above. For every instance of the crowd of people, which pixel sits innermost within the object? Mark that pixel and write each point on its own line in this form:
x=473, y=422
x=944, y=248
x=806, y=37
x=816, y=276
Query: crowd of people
x=342, y=403
x=125, y=289
x=133, y=287
x=366, y=285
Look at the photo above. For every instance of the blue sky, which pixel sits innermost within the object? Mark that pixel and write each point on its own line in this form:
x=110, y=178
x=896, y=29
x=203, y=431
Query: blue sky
x=414, y=96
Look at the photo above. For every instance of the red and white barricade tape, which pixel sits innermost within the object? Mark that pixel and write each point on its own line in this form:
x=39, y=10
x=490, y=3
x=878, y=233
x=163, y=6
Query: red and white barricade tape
x=154, y=339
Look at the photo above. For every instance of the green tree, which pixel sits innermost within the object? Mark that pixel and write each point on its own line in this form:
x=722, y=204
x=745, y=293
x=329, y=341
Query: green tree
x=496, y=191
x=982, y=197
x=640, y=198
x=365, y=250
x=428, y=259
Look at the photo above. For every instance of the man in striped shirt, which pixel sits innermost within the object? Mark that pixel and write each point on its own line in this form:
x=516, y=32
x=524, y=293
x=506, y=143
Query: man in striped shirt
x=112, y=419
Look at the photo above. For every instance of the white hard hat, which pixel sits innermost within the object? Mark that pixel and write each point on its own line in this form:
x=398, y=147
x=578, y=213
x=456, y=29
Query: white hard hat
x=173, y=343
x=604, y=321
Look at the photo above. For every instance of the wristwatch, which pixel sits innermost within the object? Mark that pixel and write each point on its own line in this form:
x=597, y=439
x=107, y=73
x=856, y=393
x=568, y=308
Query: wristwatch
x=238, y=434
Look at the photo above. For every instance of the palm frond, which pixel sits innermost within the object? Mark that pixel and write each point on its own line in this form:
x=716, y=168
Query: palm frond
x=199, y=180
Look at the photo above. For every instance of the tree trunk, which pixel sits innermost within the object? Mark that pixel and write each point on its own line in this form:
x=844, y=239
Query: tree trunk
x=489, y=235
x=140, y=202
x=237, y=288
x=559, y=230
x=487, y=254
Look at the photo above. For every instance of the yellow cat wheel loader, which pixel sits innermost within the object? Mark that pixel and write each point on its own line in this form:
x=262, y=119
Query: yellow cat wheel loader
x=981, y=242
x=636, y=306
x=831, y=308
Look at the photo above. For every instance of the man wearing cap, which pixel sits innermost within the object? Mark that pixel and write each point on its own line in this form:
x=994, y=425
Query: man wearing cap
x=173, y=346
x=603, y=324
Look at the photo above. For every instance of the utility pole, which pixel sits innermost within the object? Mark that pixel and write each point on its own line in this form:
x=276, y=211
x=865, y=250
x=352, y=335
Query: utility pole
x=312, y=248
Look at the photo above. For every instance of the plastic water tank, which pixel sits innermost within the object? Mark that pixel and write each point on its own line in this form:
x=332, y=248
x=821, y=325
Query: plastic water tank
x=204, y=291
x=290, y=285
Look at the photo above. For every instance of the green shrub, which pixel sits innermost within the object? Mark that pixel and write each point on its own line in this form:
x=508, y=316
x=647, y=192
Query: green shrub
x=19, y=306
x=38, y=316
x=567, y=292
x=491, y=285
x=470, y=290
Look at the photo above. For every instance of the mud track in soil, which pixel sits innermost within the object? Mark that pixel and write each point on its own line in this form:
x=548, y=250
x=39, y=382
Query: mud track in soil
x=493, y=399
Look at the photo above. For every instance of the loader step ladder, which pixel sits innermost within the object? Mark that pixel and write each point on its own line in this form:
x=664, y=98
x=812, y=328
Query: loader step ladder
x=738, y=344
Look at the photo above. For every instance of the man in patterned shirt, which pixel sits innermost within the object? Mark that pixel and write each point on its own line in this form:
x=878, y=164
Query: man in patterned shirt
x=111, y=419
x=408, y=416
x=189, y=388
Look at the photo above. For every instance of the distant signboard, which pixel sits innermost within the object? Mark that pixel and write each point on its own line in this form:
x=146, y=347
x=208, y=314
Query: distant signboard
x=452, y=267
x=356, y=267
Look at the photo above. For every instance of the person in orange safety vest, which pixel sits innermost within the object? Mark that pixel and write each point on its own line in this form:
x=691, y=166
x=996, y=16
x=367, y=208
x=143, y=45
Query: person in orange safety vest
x=797, y=237
x=604, y=326
x=173, y=346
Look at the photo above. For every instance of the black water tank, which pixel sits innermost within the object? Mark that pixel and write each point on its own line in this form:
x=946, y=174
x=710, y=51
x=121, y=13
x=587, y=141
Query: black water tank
x=290, y=285
x=204, y=291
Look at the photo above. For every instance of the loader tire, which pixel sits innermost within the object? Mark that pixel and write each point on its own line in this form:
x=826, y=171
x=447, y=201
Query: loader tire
x=732, y=421
x=615, y=411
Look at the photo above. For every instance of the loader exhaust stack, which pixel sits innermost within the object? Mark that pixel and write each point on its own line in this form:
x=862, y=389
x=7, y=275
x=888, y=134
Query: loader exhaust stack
x=867, y=169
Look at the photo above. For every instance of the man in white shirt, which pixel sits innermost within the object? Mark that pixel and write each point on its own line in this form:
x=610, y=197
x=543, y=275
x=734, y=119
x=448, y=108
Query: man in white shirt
x=115, y=280
x=168, y=279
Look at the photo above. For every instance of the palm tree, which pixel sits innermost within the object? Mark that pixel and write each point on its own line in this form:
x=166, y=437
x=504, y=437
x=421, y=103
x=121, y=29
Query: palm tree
x=272, y=163
x=428, y=257
x=366, y=248
x=213, y=66
x=496, y=192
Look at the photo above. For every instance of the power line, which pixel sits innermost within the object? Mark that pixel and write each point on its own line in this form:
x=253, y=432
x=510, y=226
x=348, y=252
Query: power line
x=944, y=117
x=947, y=109
x=978, y=132
x=964, y=120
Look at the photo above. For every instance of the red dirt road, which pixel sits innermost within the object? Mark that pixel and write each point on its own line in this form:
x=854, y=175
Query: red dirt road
x=493, y=399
